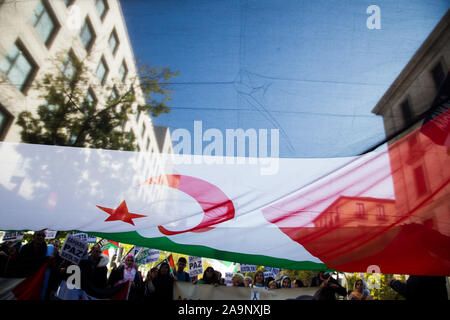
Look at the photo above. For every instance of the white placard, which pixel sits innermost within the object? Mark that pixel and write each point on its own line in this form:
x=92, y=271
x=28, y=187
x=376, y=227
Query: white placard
x=195, y=266
x=248, y=268
x=91, y=239
x=153, y=255
x=268, y=274
x=50, y=234
x=73, y=249
x=275, y=271
x=12, y=236
x=228, y=277
x=81, y=236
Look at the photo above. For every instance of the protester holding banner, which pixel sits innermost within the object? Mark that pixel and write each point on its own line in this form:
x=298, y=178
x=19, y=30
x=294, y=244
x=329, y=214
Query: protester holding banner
x=163, y=283
x=128, y=272
x=247, y=281
x=286, y=282
x=258, y=279
x=209, y=277
x=273, y=285
x=237, y=280
x=298, y=283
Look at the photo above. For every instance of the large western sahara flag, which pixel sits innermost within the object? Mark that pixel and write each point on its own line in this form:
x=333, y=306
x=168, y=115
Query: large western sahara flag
x=388, y=208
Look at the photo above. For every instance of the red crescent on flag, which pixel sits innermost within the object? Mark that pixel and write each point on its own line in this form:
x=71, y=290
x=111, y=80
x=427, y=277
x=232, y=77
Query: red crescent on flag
x=216, y=205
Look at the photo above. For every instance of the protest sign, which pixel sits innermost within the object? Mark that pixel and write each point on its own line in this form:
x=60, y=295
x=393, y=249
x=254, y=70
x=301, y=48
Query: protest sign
x=269, y=274
x=195, y=266
x=228, y=277
x=91, y=239
x=12, y=236
x=275, y=271
x=81, y=236
x=248, y=268
x=73, y=249
x=50, y=234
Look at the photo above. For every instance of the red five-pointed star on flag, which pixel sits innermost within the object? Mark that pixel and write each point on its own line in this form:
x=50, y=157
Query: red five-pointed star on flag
x=121, y=213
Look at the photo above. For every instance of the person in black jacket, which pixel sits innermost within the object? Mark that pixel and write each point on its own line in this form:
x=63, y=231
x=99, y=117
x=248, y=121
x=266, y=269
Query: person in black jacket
x=128, y=272
x=422, y=288
x=33, y=255
x=329, y=287
x=163, y=283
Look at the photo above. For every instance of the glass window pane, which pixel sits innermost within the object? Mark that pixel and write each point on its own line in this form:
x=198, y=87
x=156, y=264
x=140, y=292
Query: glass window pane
x=37, y=14
x=122, y=71
x=100, y=6
x=101, y=71
x=45, y=27
x=86, y=35
x=19, y=73
x=113, y=42
x=8, y=62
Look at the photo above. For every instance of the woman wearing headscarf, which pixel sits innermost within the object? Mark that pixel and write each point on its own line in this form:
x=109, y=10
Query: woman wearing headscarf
x=163, y=283
x=128, y=272
x=359, y=292
x=286, y=282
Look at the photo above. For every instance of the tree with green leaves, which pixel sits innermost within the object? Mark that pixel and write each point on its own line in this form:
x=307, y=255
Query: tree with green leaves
x=77, y=113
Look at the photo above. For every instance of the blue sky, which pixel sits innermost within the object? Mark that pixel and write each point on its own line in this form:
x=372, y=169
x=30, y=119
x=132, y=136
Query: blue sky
x=311, y=69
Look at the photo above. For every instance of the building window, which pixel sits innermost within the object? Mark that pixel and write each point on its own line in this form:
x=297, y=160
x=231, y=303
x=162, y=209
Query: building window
x=381, y=214
x=102, y=8
x=143, y=130
x=87, y=34
x=6, y=119
x=123, y=70
x=360, y=210
x=19, y=67
x=438, y=75
x=337, y=216
x=114, y=95
x=69, y=65
x=138, y=114
x=419, y=177
x=114, y=42
x=44, y=22
x=102, y=70
x=90, y=102
x=406, y=113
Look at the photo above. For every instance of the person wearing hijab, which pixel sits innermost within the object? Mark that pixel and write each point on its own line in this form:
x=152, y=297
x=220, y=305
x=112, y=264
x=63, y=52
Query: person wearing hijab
x=163, y=283
x=247, y=281
x=358, y=292
x=128, y=272
x=286, y=282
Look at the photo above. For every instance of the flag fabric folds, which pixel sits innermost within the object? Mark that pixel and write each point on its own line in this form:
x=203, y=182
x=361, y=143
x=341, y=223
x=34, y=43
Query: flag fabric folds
x=386, y=209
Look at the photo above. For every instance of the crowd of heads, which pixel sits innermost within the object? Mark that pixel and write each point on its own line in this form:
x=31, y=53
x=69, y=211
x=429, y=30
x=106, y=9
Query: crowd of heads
x=17, y=260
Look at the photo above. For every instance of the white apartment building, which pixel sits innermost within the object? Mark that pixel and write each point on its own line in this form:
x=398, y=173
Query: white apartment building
x=34, y=32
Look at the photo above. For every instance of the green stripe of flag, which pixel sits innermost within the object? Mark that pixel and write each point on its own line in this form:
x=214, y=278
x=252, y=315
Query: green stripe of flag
x=164, y=243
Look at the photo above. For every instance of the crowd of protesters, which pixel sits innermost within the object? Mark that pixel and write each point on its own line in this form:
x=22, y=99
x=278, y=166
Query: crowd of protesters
x=18, y=261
